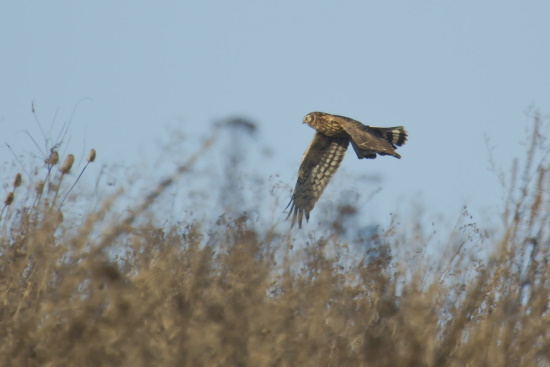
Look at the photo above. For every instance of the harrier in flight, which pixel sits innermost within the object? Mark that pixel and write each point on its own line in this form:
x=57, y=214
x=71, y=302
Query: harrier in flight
x=325, y=152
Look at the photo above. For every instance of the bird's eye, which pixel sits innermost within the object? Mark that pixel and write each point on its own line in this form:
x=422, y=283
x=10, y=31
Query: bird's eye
x=308, y=118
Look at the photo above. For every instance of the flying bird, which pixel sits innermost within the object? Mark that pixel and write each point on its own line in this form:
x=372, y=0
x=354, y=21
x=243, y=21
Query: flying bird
x=325, y=152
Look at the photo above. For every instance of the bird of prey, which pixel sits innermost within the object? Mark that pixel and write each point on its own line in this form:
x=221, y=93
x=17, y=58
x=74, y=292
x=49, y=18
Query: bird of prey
x=325, y=152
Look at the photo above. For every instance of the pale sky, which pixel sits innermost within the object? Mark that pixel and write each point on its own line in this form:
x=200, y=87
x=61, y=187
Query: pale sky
x=451, y=72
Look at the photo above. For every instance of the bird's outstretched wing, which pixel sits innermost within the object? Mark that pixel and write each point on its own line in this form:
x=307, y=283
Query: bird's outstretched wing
x=319, y=163
x=368, y=141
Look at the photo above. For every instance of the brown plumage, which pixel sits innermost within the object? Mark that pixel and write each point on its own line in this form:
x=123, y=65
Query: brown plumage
x=326, y=151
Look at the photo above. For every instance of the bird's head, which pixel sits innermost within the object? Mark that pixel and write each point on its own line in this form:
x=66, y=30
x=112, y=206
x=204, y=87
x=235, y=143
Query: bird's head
x=309, y=119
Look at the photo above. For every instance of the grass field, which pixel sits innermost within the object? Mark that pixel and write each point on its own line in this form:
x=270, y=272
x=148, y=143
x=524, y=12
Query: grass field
x=77, y=290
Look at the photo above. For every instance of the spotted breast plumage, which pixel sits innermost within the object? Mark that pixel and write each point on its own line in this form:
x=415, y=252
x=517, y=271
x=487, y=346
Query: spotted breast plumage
x=326, y=151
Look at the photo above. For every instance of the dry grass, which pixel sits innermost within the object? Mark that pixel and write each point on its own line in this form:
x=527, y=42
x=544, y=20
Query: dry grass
x=237, y=295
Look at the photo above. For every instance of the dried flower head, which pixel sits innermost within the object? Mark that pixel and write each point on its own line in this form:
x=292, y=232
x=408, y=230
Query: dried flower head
x=91, y=156
x=67, y=164
x=17, y=181
x=39, y=187
x=53, y=158
x=9, y=199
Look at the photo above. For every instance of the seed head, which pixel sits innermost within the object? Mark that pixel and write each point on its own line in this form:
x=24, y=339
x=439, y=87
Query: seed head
x=17, y=181
x=39, y=187
x=9, y=199
x=91, y=156
x=53, y=159
x=67, y=164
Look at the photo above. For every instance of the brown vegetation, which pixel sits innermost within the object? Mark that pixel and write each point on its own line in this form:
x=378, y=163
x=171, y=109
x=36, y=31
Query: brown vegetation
x=235, y=295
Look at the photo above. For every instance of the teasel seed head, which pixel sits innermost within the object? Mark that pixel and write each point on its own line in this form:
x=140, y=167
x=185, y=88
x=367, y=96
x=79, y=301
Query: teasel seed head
x=9, y=199
x=53, y=158
x=91, y=156
x=39, y=187
x=17, y=181
x=67, y=164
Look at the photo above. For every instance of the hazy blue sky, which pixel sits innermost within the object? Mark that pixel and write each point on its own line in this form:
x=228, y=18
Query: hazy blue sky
x=449, y=71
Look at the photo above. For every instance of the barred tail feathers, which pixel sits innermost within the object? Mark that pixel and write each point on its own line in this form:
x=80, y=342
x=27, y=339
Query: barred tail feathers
x=396, y=135
x=379, y=141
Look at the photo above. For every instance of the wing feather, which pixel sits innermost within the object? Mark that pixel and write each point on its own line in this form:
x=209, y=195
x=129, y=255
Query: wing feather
x=319, y=163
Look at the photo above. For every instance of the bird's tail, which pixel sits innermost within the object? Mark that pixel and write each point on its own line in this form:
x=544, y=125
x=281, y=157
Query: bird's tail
x=389, y=138
x=395, y=135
